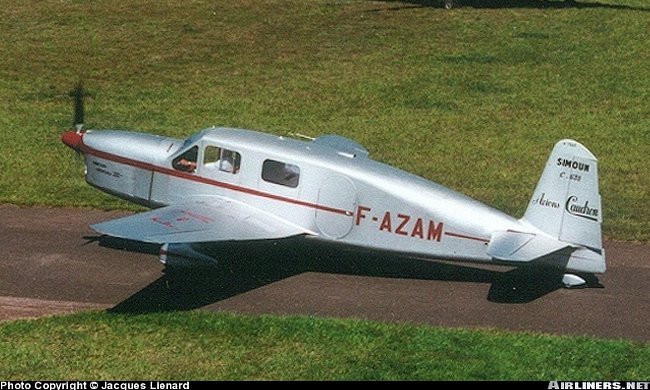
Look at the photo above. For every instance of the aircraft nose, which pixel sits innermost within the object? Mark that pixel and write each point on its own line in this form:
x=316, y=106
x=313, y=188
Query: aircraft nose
x=72, y=139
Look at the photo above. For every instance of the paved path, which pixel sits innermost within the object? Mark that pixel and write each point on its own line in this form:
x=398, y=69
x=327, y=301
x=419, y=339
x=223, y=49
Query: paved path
x=52, y=263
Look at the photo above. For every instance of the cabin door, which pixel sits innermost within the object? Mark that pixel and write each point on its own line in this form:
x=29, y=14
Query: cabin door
x=337, y=199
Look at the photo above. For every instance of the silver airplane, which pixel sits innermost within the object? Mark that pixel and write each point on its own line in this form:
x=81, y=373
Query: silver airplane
x=226, y=184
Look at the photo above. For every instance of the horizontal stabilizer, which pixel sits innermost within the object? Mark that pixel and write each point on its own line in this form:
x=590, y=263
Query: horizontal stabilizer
x=524, y=247
x=211, y=220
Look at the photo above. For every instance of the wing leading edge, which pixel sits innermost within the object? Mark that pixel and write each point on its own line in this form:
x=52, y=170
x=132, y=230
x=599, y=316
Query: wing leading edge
x=211, y=220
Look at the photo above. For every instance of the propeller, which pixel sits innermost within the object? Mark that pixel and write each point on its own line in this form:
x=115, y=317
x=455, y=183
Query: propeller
x=73, y=138
x=78, y=94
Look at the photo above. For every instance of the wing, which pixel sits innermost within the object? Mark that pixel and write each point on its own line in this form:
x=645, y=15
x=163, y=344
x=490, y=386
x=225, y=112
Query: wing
x=216, y=219
x=342, y=145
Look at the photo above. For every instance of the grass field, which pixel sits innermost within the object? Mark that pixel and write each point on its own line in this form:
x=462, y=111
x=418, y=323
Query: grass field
x=473, y=98
x=200, y=345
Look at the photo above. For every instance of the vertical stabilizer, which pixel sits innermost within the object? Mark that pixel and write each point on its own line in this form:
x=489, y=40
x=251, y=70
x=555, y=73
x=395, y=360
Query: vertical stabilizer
x=566, y=201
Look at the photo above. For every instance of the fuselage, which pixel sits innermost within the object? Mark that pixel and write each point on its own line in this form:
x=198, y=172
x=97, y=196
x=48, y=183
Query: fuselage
x=330, y=188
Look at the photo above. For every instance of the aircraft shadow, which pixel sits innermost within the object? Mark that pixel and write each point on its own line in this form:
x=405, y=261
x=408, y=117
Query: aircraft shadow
x=495, y=4
x=248, y=266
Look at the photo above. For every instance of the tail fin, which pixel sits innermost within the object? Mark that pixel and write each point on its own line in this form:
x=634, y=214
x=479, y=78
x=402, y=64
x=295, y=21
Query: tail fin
x=566, y=202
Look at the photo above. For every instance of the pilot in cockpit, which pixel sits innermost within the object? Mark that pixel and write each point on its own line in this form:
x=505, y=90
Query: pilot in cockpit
x=186, y=162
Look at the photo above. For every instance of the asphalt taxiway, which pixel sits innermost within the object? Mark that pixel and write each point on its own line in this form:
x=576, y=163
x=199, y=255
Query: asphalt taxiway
x=53, y=263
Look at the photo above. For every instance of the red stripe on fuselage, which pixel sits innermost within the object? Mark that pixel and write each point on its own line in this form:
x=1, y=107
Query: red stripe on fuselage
x=192, y=177
x=466, y=237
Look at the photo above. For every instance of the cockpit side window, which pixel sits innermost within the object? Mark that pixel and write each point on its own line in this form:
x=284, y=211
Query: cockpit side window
x=186, y=162
x=222, y=159
x=281, y=173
